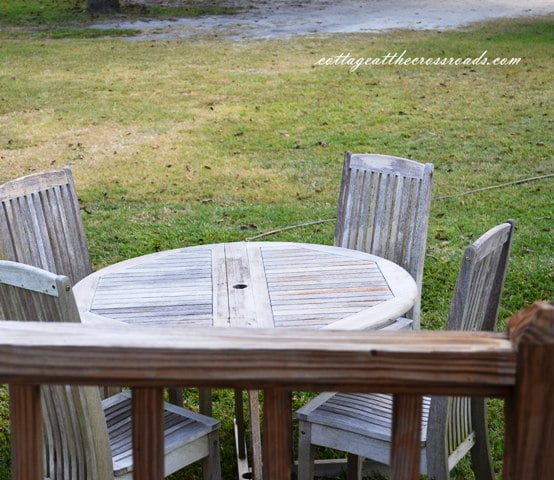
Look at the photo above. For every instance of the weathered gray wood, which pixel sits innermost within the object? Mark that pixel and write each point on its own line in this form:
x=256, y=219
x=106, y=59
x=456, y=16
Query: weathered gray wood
x=259, y=285
x=255, y=432
x=186, y=438
x=211, y=464
x=40, y=224
x=73, y=418
x=239, y=422
x=306, y=451
x=242, y=307
x=76, y=432
x=25, y=277
x=383, y=209
x=286, y=285
x=220, y=295
x=475, y=306
x=452, y=426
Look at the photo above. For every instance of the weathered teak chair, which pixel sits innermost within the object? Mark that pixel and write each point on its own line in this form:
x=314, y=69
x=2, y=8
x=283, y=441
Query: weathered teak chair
x=40, y=224
x=451, y=426
x=383, y=209
x=86, y=438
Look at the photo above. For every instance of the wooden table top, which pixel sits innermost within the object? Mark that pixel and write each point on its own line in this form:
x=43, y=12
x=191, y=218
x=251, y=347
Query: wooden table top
x=250, y=284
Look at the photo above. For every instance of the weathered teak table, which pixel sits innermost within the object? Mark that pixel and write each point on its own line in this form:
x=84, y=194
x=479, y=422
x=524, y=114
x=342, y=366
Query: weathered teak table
x=254, y=284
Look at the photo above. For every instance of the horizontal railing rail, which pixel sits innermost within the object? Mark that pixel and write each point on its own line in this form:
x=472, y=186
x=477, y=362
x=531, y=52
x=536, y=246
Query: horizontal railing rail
x=518, y=367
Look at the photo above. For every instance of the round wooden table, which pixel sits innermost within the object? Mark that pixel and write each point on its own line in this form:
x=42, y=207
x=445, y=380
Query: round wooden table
x=250, y=284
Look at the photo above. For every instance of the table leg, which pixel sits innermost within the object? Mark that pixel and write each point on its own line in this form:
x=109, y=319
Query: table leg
x=205, y=401
x=176, y=396
x=256, y=434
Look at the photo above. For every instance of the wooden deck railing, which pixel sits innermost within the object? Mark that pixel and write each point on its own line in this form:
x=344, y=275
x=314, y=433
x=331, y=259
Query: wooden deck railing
x=518, y=367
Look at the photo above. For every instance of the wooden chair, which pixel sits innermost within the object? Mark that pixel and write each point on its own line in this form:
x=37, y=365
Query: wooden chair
x=85, y=437
x=40, y=224
x=451, y=426
x=383, y=209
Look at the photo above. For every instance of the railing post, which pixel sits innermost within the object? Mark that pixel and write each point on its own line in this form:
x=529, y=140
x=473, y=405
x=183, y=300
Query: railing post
x=406, y=437
x=148, y=436
x=530, y=411
x=26, y=432
x=278, y=434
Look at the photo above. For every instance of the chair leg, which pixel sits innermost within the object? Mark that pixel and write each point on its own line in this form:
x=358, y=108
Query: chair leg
x=305, y=452
x=109, y=391
x=256, y=434
x=354, y=466
x=436, y=449
x=480, y=453
x=239, y=417
x=176, y=396
x=211, y=465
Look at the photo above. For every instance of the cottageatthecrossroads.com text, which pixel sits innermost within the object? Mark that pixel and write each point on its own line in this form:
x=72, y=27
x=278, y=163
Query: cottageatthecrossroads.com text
x=345, y=59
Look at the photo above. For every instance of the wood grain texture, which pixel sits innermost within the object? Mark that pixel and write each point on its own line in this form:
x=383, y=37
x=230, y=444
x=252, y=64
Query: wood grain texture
x=360, y=424
x=278, y=434
x=79, y=442
x=475, y=305
x=317, y=359
x=529, y=410
x=255, y=432
x=75, y=430
x=405, y=441
x=256, y=284
x=26, y=432
x=383, y=209
x=187, y=437
x=531, y=415
x=41, y=225
x=148, y=434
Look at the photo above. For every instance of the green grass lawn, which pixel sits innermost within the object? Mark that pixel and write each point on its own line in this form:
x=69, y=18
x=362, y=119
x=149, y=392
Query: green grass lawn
x=56, y=12
x=189, y=142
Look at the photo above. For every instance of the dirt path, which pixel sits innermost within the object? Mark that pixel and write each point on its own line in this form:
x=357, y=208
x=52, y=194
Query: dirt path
x=267, y=19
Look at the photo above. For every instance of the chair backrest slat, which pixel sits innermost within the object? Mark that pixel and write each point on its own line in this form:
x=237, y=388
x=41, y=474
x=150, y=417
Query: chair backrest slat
x=475, y=306
x=75, y=431
x=383, y=209
x=41, y=225
x=476, y=300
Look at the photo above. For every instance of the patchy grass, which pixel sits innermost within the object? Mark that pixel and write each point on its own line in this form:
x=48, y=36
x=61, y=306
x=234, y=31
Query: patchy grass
x=183, y=143
x=42, y=12
x=47, y=13
x=88, y=33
